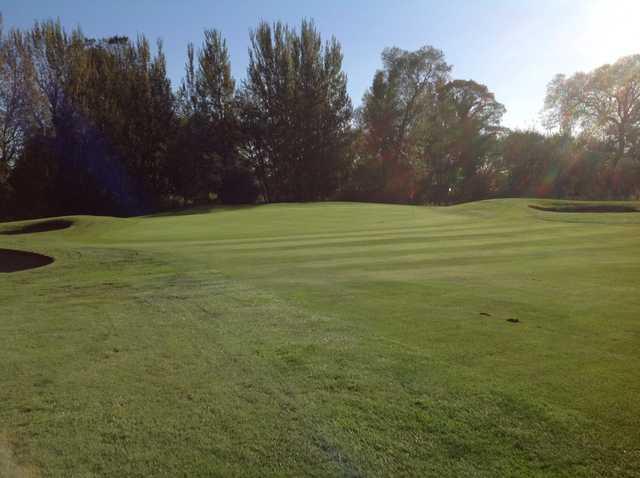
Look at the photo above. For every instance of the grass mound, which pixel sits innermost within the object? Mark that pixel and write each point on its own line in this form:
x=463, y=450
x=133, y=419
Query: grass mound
x=587, y=207
x=14, y=261
x=42, y=226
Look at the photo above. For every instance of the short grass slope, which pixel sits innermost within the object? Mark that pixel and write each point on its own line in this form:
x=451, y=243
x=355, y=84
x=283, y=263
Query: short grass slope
x=487, y=339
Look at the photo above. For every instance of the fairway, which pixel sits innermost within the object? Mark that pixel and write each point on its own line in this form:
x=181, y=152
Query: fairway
x=327, y=339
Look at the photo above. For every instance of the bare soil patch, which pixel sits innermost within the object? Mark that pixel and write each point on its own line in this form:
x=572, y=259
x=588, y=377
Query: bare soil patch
x=9, y=467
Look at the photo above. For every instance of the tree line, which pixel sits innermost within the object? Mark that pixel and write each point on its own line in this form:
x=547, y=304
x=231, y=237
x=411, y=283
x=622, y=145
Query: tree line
x=94, y=126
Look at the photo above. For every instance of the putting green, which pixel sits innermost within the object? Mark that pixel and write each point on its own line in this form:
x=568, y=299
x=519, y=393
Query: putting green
x=486, y=339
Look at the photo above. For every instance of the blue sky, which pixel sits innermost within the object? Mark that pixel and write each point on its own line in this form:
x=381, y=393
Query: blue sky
x=513, y=46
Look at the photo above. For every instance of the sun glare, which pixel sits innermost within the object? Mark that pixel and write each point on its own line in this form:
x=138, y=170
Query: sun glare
x=610, y=30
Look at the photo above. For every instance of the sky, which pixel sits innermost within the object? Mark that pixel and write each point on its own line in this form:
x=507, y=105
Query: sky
x=515, y=47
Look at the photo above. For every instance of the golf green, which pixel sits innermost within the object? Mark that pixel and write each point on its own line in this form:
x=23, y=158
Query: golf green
x=328, y=339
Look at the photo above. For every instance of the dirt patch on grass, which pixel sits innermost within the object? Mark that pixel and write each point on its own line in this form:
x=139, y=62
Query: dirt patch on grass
x=585, y=208
x=14, y=261
x=9, y=467
x=43, y=226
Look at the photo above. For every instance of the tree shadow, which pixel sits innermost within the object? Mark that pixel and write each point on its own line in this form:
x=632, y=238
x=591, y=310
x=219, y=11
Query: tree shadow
x=190, y=211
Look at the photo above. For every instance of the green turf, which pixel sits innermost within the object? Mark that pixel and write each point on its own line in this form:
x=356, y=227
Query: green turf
x=328, y=339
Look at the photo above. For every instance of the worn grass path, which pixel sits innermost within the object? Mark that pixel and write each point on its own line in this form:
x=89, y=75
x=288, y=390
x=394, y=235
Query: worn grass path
x=328, y=339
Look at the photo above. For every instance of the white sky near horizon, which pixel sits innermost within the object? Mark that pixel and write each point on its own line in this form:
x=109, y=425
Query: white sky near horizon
x=515, y=47
x=595, y=33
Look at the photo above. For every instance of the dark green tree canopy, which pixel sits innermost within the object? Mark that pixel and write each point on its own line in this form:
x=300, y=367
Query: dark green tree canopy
x=297, y=111
x=94, y=126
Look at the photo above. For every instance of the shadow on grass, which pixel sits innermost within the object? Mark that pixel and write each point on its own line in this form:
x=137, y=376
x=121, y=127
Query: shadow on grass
x=14, y=261
x=190, y=211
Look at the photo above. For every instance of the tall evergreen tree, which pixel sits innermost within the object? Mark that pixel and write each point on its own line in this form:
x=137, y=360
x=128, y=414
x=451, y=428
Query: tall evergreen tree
x=102, y=134
x=296, y=111
x=210, y=133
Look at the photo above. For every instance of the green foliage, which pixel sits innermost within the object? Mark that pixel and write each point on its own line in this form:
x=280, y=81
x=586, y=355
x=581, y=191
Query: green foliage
x=563, y=166
x=296, y=112
x=209, y=132
x=93, y=126
x=426, y=137
x=603, y=103
x=458, y=145
x=401, y=98
x=98, y=119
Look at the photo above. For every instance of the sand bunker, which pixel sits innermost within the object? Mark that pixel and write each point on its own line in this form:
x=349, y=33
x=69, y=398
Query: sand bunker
x=14, y=261
x=585, y=208
x=42, y=226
